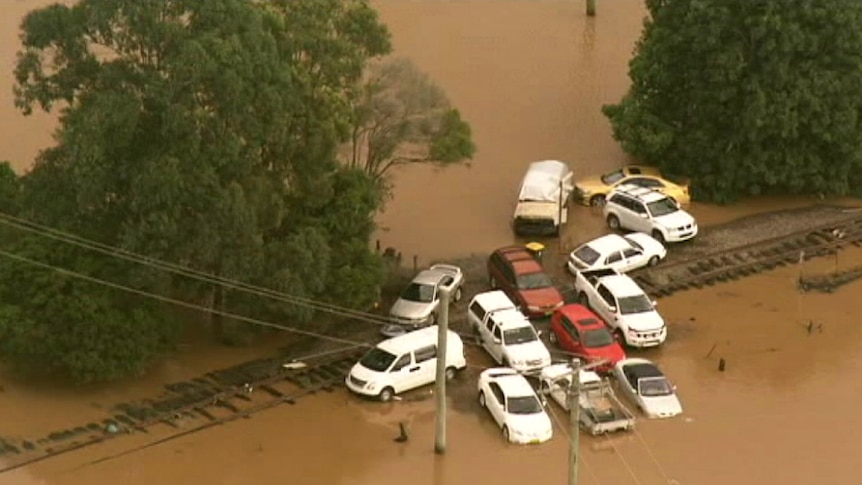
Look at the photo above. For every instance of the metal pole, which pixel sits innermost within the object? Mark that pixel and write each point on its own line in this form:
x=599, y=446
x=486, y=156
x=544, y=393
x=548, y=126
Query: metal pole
x=442, y=334
x=574, y=418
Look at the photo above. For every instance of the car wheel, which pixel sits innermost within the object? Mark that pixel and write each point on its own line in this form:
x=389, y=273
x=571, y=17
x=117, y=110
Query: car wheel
x=653, y=261
x=482, y=399
x=457, y=295
x=506, y=433
x=552, y=337
x=614, y=222
x=597, y=200
x=451, y=372
x=386, y=394
x=658, y=236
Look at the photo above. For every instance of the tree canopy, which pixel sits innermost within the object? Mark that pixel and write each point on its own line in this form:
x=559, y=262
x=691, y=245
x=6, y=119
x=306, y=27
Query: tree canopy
x=748, y=97
x=402, y=117
x=204, y=133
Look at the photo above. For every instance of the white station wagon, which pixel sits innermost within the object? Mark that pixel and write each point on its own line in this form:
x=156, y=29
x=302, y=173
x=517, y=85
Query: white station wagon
x=514, y=405
x=620, y=253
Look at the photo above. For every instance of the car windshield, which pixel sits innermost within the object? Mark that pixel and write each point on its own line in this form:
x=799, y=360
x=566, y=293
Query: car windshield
x=635, y=304
x=418, y=292
x=613, y=177
x=662, y=207
x=654, y=386
x=377, y=360
x=520, y=335
x=524, y=405
x=634, y=244
x=598, y=338
x=587, y=254
x=532, y=281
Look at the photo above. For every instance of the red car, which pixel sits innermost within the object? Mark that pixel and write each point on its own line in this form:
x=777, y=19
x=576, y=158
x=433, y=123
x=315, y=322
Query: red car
x=577, y=330
x=514, y=270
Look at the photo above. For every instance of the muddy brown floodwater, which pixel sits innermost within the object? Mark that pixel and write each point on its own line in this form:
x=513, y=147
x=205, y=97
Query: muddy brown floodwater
x=530, y=75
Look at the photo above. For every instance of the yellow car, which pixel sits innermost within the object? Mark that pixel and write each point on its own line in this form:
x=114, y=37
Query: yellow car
x=593, y=190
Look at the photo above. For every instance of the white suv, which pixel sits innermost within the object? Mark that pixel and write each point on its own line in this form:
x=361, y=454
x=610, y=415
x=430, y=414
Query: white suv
x=646, y=210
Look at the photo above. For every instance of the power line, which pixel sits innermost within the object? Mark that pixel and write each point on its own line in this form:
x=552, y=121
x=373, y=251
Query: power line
x=648, y=448
x=580, y=457
x=181, y=303
x=120, y=253
x=124, y=254
x=625, y=462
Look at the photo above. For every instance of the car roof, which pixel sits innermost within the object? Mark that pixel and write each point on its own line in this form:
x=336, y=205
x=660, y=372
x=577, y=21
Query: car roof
x=514, y=385
x=579, y=316
x=493, y=300
x=513, y=318
x=514, y=253
x=413, y=340
x=645, y=195
x=608, y=243
x=621, y=285
x=527, y=266
x=429, y=277
x=641, y=368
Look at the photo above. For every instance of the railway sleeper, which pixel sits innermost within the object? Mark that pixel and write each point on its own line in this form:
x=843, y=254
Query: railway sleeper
x=224, y=404
x=706, y=266
x=302, y=380
x=203, y=412
x=272, y=391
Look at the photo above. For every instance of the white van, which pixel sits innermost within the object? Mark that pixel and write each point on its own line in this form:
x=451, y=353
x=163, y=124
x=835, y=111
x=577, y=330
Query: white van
x=543, y=200
x=403, y=363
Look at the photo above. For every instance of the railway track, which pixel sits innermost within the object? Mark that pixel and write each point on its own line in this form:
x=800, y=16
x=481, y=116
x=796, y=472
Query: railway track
x=749, y=259
x=216, y=398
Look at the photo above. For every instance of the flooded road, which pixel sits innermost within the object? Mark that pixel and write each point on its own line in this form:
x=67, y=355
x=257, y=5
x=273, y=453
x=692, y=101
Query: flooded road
x=530, y=76
x=784, y=411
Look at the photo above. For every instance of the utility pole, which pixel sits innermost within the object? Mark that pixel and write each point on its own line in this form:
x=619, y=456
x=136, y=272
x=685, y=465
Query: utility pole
x=574, y=420
x=442, y=335
x=591, y=8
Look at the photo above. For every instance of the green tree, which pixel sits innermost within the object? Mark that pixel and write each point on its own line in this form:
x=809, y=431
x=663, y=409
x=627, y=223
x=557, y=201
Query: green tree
x=205, y=134
x=10, y=189
x=402, y=117
x=748, y=97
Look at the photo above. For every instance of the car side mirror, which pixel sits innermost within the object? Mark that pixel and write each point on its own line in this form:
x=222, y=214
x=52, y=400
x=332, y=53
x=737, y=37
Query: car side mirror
x=654, y=303
x=674, y=387
x=497, y=341
x=539, y=333
x=643, y=214
x=612, y=309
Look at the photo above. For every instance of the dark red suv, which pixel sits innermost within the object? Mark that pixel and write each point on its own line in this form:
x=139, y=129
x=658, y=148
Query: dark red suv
x=577, y=330
x=514, y=270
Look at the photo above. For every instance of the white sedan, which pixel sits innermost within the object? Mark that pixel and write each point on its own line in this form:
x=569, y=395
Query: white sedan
x=515, y=406
x=645, y=384
x=621, y=253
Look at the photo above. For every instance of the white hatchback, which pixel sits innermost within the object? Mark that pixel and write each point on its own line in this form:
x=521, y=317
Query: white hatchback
x=620, y=253
x=514, y=405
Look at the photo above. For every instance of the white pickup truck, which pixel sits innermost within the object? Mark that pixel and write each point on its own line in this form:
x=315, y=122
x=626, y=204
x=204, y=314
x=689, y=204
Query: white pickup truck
x=623, y=305
x=505, y=333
